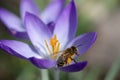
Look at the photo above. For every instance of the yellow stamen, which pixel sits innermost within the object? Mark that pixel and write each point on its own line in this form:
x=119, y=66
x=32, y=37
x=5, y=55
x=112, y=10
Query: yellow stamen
x=55, y=45
x=56, y=49
x=47, y=47
x=53, y=42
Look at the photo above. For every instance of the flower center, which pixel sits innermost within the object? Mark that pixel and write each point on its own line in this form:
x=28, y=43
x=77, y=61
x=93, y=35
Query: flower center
x=55, y=46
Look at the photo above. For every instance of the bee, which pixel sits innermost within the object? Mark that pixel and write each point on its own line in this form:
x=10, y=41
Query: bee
x=67, y=56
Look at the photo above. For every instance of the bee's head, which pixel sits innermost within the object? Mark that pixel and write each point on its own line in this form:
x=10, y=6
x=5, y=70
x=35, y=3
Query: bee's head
x=75, y=50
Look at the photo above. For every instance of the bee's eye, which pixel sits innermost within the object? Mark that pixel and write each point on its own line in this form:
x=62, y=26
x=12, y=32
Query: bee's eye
x=74, y=50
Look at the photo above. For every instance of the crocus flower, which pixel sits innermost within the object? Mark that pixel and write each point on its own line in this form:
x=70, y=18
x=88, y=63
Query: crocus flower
x=47, y=45
x=15, y=23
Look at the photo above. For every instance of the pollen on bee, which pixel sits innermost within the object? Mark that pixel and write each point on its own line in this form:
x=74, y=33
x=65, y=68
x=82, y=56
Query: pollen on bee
x=69, y=61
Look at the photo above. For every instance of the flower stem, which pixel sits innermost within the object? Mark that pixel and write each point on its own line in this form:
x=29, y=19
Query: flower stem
x=114, y=70
x=56, y=74
x=44, y=74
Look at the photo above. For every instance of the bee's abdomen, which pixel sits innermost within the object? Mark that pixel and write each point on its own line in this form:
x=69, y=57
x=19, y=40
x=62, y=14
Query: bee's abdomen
x=60, y=62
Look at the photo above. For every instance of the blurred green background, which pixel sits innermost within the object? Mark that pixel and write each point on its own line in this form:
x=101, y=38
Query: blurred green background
x=102, y=16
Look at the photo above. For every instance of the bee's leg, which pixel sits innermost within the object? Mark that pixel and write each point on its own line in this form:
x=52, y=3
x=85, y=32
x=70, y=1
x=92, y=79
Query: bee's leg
x=73, y=60
x=65, y=61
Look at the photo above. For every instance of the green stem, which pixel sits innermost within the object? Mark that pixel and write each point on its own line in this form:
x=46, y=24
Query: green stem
x=113, y=70
x=56, y=74
x=44, y=74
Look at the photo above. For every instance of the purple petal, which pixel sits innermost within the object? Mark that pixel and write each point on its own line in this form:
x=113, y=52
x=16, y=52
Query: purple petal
x=43, y=63
x=36, y=29
x=22, y=35
x=51, y=26
x=28, y=6
x=74, y=67
x=11, y=20
x=18, y=49
x=83, y=42
x=66, y=25
x=52, y=11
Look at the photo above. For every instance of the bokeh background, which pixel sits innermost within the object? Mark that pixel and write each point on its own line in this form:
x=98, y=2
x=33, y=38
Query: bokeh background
x=101, y=16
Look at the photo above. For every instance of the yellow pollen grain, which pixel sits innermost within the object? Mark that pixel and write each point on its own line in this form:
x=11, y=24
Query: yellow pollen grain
x=69, y=61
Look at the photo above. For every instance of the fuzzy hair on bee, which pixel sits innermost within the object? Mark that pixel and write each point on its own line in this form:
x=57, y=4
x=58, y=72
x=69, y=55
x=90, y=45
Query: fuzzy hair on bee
x=67, y=56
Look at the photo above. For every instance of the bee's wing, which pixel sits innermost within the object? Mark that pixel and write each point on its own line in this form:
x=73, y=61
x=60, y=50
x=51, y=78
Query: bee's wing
x=58, y=54
x=81, y=47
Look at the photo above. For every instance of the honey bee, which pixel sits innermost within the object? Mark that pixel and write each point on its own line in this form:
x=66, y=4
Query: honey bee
x=67, y=56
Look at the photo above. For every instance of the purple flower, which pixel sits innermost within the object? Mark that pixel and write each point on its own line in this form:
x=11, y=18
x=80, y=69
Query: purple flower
x=15, y=23
x=47, y=45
